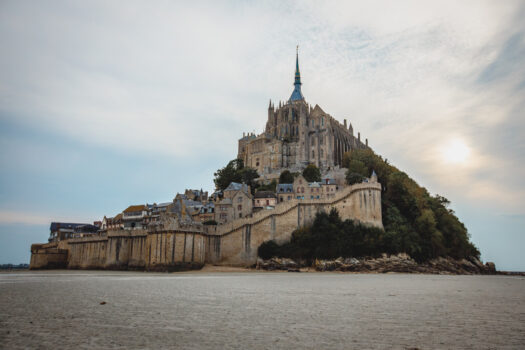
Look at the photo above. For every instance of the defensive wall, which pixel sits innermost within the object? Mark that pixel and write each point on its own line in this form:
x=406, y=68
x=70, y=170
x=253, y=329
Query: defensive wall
x=174, y=247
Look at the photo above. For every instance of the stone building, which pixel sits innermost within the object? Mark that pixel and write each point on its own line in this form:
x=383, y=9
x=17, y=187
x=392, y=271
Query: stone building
x=236, y=203
x=296, y=135
x=264, y=200
x=284, y=192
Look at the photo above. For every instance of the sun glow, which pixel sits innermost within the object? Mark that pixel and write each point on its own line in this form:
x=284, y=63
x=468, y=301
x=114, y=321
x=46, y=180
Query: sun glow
x=456, y=151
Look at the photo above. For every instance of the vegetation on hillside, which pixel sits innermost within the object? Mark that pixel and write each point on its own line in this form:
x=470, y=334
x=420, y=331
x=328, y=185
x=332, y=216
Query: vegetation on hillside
x=415, y=222
x=312, y=173
x=286, y=177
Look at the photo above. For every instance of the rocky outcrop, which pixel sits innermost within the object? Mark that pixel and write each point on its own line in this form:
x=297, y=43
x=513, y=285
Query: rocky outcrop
x=401, y=263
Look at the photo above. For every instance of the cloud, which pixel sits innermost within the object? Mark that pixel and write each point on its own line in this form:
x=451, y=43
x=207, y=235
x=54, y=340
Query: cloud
x=32, y=218
x=187, y=80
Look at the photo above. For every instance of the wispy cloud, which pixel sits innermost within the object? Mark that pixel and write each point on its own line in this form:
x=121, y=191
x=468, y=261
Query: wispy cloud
x=32, y=218
x=186, y=80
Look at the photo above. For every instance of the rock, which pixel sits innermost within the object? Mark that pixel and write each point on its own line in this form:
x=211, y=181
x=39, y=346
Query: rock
x=490, y=267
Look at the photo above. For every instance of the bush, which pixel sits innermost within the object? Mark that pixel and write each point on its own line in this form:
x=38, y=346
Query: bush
x=353, y=178
x=312, y=173
x=268, y=250
x=286, y=177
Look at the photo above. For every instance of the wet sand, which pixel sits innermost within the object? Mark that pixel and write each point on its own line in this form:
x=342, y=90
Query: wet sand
x=259, y=310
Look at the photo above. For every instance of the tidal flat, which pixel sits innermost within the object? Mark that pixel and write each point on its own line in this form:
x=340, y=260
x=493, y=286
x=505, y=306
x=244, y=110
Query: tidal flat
x=258, y=310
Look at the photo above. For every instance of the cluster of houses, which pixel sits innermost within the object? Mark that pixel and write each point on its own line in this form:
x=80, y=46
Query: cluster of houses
x=236, y=201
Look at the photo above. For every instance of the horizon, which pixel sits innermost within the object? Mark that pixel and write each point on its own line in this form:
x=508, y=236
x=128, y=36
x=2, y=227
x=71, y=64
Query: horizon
x=100, y=110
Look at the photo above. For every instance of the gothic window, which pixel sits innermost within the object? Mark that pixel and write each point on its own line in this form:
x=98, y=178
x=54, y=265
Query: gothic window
x=313, y=154
x=320, y=139
x=322, y=121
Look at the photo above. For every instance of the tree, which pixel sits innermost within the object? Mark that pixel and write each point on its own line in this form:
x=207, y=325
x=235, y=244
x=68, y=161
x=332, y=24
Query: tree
x=353, y=178
x=286, y=177
x=311, y=173
x=234, y=171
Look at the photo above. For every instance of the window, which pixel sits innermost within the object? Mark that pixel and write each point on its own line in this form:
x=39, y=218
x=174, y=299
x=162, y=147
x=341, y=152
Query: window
x=267, y=202
x=239, y=207
x=313, y=154
x=322, y=153
x=311, y=197
x=322, y=121
x=289, y=197
x=239, y=199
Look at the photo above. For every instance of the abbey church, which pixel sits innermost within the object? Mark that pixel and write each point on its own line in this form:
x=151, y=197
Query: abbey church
x=297, y=135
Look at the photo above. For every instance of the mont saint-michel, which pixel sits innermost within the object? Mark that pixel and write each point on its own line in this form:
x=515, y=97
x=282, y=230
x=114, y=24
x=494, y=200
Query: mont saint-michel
x=304, y=192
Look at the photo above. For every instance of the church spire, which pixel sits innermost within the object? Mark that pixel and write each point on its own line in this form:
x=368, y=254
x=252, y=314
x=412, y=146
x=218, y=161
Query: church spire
x=297, y=94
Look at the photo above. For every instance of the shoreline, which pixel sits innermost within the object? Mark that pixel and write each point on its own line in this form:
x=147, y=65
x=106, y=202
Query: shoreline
x=220, y=269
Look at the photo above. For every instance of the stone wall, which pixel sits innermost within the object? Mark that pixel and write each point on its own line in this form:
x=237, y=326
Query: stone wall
x=236, y=243
x=233, y=244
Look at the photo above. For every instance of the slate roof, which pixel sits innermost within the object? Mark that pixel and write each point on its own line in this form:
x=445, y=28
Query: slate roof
x=264, y=194
x=57, y=225
x=235, y=186
x=284, y=188
x=133, y=208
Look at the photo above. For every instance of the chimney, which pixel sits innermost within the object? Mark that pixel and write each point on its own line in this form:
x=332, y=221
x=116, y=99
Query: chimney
x=366, y=141
x=359, y=136
x=345, y=123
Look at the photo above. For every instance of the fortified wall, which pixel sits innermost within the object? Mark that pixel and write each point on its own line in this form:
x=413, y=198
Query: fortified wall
x=173, y=247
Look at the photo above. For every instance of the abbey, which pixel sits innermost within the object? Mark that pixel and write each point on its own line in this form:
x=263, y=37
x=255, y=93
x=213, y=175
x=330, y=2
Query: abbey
x=297, y=135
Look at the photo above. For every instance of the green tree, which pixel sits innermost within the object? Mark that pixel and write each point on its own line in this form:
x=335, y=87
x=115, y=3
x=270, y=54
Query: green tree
x=234, y=171
x=353, y=178
x=286, y=177
x=312, y=173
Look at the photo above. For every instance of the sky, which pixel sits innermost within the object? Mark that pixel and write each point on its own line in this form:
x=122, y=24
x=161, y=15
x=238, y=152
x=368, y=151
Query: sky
x=107, y=104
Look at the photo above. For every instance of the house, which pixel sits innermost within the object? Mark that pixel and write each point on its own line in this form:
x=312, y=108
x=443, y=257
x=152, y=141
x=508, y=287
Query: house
x=284, y=192
x=329, y=188
x=196, y=195
x=264, y=200
x=236, y=203
x=62, y=230
x=134, y=217
x=155, y=210
x=114, y=223
x=314, y=190
x=85, y=231
x=300, y=187
x=206, y=213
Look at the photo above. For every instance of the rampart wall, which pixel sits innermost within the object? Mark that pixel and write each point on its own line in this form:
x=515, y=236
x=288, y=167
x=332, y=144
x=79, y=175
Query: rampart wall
x=233, y=244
